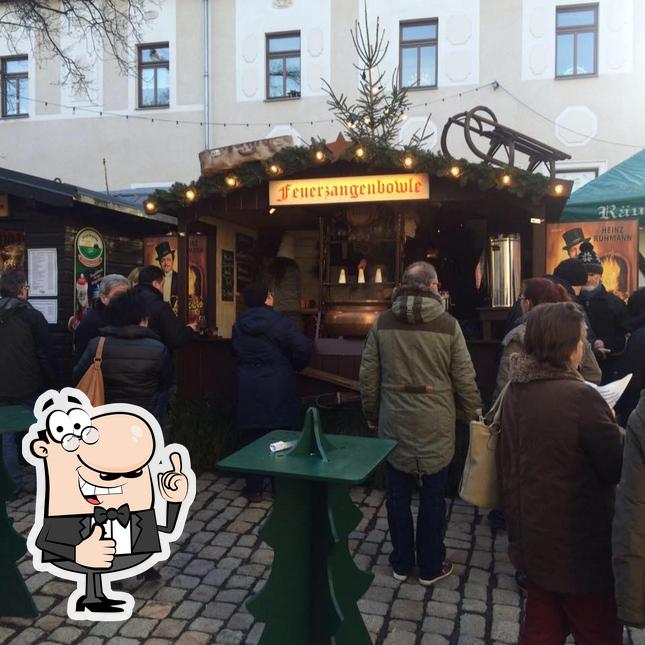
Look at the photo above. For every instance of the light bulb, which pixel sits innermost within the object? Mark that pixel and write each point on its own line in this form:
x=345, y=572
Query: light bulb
x=408, y=161
x=378, y=277
x=559, y=188
x=190, y=195
x=273, y=169
x=404, y=117
x=506, y=180
x=231, y=181
x=342, y=278
x=455, y=171
x=320, y=155
x=272, y=210
x=361, y=275
x=366, y=120
x=150, y=206
x=360, y=153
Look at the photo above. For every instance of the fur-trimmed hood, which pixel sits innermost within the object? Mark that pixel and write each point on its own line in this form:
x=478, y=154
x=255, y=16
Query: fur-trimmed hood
x=526, y=369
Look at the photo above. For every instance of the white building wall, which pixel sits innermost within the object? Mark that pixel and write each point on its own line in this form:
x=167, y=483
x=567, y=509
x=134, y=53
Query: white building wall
x=595, y=120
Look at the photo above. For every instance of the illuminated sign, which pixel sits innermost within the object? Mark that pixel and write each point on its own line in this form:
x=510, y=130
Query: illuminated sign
x=343, y=190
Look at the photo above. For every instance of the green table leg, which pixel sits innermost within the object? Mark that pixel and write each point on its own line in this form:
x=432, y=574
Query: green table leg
x=15, y=599
x=311, y=594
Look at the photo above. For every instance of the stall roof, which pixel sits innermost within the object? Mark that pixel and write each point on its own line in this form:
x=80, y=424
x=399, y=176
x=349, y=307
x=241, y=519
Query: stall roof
x=617, y=194
x=58, y=193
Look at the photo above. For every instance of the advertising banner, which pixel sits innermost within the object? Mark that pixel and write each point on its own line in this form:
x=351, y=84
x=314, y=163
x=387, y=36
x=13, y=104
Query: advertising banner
x=615, y=244
x=89, y=269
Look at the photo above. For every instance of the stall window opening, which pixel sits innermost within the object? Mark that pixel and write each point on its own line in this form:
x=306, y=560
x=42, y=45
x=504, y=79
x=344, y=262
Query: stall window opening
x=154, y=75
x=418, y=43
x=283, y=65
x=15, y=84
x=576, y=41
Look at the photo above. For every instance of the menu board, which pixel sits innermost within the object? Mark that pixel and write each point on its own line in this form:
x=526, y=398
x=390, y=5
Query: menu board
x=228, y=276
x=43, y=272
x=48, y=307
x=245, y=251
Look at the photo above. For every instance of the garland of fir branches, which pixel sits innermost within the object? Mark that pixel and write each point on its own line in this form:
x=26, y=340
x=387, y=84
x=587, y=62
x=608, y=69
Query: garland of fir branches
x=376, y=157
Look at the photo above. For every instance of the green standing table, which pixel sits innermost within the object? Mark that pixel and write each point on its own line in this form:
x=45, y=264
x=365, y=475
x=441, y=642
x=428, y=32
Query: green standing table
x=311, y=594
x=15, y=599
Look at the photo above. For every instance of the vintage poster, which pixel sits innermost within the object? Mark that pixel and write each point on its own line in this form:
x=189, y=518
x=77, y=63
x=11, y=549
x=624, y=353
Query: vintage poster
x=196, y=278
x=615, y=244
x=12, y=251
x=162, y=252
x=89, y=269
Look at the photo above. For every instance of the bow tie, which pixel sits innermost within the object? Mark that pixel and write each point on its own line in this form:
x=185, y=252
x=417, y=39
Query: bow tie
x=122, y=514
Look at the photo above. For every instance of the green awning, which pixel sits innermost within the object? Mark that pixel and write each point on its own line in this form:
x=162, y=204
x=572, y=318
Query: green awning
x=617, y=194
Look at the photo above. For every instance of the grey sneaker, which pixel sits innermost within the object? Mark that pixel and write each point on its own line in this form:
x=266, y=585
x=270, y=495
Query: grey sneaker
x=446, y=570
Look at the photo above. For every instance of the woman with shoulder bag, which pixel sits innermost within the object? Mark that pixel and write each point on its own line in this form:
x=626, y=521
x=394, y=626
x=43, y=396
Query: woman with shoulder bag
x=135, y=363
x=559, y=460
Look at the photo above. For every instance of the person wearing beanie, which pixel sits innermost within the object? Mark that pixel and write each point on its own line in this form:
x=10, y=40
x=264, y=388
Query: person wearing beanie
x=268, y=350
x=606, y=312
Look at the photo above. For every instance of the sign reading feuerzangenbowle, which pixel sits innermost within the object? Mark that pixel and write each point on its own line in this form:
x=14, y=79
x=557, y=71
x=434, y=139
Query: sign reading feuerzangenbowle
x=335, y=190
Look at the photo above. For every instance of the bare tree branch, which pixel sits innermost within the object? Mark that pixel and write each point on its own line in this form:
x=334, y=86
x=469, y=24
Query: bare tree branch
x=78, y=33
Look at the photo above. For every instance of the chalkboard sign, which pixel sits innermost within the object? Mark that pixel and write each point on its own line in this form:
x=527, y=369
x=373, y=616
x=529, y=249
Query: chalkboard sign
x=228, y=276
x=245, y=251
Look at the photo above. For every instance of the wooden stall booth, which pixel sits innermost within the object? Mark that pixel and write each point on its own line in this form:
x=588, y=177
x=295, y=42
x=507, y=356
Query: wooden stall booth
x=349, y=228
x=66, y=238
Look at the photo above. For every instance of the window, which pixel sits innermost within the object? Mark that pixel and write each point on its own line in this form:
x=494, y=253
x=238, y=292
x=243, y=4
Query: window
x=15, y=79
x=154, y=76
x=576, y=41
x=418, y=53
x=579, y=176
x=283, y=65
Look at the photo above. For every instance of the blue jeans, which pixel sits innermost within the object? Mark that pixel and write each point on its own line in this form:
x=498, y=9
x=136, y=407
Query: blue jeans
x=431, y=521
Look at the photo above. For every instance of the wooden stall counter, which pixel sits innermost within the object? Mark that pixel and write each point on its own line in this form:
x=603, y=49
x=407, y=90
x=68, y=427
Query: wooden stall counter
x=205, y=369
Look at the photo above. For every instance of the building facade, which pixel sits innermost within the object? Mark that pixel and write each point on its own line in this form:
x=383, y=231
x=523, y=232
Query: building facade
x=210, y=73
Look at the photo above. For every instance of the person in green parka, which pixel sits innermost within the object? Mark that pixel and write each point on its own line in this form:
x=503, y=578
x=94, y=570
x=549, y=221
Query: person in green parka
x=414, y=365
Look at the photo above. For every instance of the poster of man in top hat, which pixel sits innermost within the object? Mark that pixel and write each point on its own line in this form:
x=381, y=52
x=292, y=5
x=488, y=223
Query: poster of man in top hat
x=162, y=251
x=573, y=238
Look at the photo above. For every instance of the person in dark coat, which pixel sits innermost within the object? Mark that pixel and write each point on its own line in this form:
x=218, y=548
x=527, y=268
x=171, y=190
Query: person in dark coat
x=606, y=312
x=161, y=319
x=633, y=359
x=629, y=524
x=94, y=319
x=28, y=363
x=136, y=364
x=559, y=460
x=269, y=350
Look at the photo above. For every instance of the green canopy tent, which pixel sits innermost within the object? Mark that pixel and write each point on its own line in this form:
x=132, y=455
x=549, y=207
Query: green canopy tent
x=617, y=194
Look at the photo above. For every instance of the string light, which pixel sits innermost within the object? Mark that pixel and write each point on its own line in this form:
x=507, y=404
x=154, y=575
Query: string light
x=558, y=189
x=366, y=120
x=231, y=181
x=360, y=152
x=455, y=171
x=75, y=110
x=320, y=155
x=272, y=210
x=190, y=195
x=408, y=161
x=150, y=206
x=506, y=180
x=274, y=169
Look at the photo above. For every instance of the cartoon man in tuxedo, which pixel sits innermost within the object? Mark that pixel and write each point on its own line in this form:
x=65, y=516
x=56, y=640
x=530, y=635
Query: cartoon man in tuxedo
x=97, y=504
x=166, y=260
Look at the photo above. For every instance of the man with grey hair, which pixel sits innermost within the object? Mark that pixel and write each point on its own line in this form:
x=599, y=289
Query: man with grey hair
x=414, y=365
x=111, y=285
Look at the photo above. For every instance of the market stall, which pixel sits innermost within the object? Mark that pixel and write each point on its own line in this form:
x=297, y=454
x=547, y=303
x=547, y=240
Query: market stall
x=65, y=238
x=352, y=217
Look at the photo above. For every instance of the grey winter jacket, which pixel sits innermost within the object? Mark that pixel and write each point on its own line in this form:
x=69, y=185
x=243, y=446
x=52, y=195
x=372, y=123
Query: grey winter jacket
x=629, y=524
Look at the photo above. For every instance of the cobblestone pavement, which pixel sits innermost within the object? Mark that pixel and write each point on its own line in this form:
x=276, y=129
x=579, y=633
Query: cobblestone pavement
x=220, y=561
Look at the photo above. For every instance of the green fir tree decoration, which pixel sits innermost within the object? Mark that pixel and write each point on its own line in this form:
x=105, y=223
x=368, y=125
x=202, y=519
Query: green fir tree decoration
x=376, y=117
